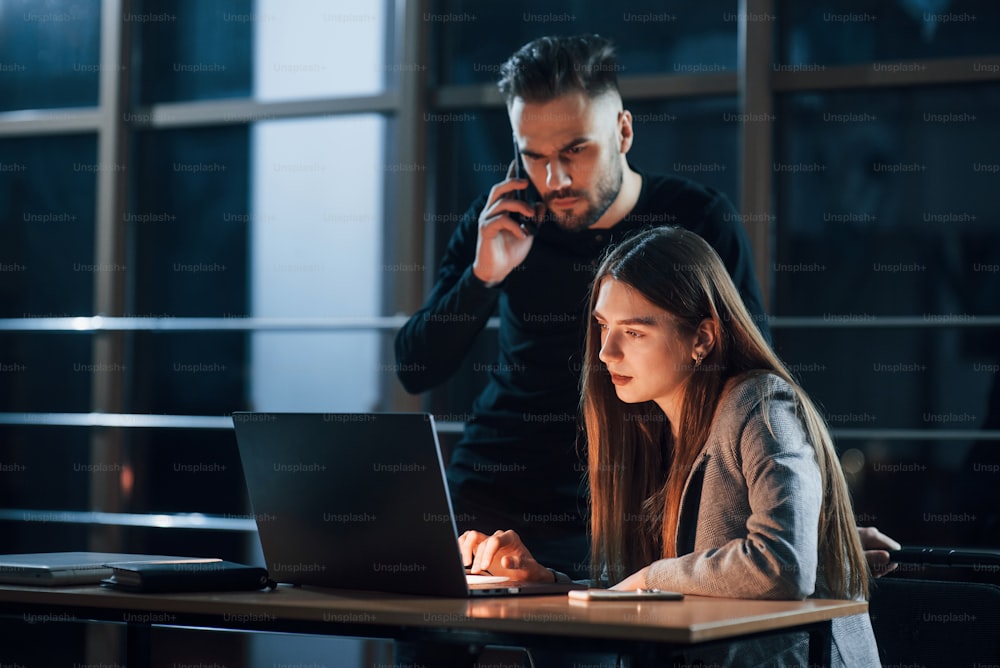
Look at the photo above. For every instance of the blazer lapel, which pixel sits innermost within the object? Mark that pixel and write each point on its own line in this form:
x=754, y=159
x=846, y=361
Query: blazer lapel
x=687, y=520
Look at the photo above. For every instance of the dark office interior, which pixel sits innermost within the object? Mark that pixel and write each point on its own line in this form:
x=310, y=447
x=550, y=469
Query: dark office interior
x=224, y=205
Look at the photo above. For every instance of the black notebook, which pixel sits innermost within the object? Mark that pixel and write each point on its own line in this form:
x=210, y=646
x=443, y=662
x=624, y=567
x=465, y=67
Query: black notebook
x=177, y=576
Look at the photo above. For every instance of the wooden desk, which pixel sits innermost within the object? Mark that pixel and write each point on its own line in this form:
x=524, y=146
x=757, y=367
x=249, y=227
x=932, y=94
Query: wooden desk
x=646, y=630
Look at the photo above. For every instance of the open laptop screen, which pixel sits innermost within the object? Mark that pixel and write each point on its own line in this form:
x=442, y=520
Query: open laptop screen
x=355, y=501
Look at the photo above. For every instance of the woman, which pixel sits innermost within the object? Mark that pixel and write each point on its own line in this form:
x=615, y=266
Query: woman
x=710, y=470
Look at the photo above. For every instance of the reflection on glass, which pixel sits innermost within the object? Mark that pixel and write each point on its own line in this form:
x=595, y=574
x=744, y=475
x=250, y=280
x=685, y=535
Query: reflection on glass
x=696, y=139
x=49, y=53
x=846, y=32
x=886, y=207
x=29, y=480
x=189, y=232
x=195, y=49
x=47, y=202
x=316, y=245
x=652, y=38
x=47, y=269
x=189, y=222
x=887, y=202
x=270, y=49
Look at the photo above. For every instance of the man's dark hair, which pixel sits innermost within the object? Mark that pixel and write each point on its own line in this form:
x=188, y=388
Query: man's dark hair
x=549, y=67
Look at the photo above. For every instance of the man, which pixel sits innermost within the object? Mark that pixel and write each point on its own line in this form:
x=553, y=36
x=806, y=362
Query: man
x=519, y=464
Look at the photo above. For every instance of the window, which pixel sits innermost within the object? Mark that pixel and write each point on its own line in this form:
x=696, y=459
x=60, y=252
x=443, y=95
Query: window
x=203, y=233
x=856, y=32
x=316, y=252
x=49, y=54
x=878, y=253
x=245, y=214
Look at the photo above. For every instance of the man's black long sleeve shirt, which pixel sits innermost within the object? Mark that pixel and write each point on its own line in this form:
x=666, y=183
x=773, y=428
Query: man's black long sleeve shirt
x=525, y=420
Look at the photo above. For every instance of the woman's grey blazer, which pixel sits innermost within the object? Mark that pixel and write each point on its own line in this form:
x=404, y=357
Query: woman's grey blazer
x=748, y=526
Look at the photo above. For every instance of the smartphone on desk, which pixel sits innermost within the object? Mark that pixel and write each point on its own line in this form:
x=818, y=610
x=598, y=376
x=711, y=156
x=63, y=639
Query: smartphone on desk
x=529, y=195
x=624, y=595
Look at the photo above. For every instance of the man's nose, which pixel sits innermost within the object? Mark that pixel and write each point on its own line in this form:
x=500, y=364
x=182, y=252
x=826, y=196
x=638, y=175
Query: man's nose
x=557, y=176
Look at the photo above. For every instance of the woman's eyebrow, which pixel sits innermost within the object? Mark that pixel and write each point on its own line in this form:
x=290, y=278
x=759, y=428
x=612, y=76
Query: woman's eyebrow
x=639, y=320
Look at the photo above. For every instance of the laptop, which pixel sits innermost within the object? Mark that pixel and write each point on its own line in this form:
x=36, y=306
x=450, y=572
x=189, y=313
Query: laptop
x=53, y=569
x=358, y=501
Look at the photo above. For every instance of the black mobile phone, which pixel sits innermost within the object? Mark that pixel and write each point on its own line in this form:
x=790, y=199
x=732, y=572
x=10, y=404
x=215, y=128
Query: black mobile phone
x=529, y=195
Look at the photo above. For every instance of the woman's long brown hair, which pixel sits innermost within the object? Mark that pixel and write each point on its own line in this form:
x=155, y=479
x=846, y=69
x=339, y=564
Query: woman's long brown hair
x=636, y=470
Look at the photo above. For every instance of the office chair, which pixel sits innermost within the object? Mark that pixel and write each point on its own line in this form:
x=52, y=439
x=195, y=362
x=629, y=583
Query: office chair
x=935, y=623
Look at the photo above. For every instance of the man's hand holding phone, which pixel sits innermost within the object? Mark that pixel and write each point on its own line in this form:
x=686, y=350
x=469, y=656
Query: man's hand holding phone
x=504, y=238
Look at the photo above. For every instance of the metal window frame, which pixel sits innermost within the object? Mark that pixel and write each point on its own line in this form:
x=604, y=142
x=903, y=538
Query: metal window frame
x=114, y=130
x=754, y=83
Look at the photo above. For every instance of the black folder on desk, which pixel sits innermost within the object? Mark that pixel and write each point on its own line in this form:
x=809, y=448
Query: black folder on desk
x=176, y=576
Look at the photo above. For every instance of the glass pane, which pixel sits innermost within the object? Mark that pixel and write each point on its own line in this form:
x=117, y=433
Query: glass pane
x=473, y=151
x=38, y=477
x=32, y=365
x=47, y=205
x=195, y=49
x=319, y=49
x=203, y=463
x=190, y=260
x=886, y=206
x=845, y=32
x=697, y=139
x=661, y=38
x=190, y=373
x=944, y=504
x=316, y=226
x=49, y=53
x=189, y=222
x=56, y=468
x=887, y=203
x=48, y=481
x=905, y=378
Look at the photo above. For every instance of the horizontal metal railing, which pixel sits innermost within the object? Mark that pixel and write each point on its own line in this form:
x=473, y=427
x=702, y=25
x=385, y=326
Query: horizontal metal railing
x=224, y=422
x=99, y=323
x=199, y=521
x=195, y=521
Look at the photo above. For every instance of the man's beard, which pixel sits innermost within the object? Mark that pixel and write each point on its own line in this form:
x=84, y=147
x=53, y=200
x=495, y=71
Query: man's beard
x=606, y=192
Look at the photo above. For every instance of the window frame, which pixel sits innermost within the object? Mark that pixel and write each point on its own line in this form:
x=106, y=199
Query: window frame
x=408, y=240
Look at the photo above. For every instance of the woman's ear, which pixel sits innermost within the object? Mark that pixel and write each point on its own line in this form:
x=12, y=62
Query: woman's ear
x=704, y=338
